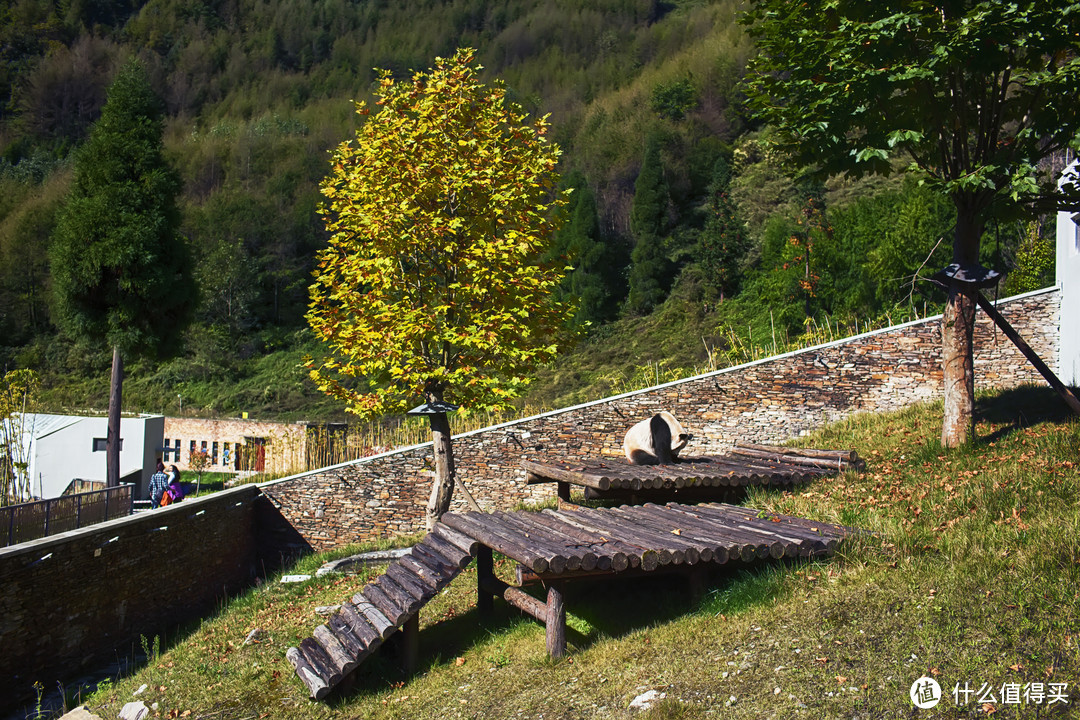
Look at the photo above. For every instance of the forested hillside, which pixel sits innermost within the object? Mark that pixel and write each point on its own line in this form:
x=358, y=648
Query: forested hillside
x=679, y=210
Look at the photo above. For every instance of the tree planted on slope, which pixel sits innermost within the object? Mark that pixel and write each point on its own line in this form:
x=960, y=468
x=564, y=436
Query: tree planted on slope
x=974, y=93
x=431, y=286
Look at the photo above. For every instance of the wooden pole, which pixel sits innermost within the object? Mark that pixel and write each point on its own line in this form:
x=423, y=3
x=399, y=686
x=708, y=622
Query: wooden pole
x=112, y=441
x=485, y=568
x=556, y=621
x=410, y=644
x=1030, y=354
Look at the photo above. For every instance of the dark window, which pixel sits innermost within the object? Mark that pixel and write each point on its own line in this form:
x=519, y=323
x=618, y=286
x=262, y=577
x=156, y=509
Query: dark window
x=102, y=444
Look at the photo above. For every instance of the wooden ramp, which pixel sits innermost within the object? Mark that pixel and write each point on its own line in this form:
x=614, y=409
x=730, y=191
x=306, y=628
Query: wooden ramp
x=371, y=616
x=553, y=546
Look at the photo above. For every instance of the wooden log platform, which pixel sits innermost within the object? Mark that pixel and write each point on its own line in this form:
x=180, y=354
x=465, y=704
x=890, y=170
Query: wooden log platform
x=696, y=478
x=554, y=546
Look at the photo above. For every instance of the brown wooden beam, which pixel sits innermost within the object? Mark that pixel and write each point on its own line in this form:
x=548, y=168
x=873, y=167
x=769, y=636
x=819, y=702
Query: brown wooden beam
x=485, y=569
x=520, y=599
x=1030, y=354
x=555, y=625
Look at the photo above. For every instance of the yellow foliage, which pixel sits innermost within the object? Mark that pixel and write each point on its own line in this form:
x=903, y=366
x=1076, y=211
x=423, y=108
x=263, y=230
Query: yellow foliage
x=439, y=210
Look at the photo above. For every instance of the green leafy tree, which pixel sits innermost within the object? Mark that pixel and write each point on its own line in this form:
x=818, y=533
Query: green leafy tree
x=975, y=94
x=431, y=286
x=650, y=268
x=120, y=269
x=1033, y=266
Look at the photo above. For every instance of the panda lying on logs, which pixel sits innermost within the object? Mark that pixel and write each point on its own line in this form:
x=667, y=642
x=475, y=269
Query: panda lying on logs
x=655, y=441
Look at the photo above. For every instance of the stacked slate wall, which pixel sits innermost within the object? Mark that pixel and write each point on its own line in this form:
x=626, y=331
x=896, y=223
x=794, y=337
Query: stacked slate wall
x=87, y=597
x=767, y=401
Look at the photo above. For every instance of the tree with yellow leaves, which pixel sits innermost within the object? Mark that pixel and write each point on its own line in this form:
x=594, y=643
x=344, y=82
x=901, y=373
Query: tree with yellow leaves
x=431, y=286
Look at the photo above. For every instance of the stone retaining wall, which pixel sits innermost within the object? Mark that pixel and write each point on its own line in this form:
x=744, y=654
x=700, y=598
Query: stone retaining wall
x=766, y=401
x=84, y=597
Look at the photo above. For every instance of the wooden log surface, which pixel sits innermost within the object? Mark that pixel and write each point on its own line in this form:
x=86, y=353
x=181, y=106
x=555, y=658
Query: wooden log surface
x=391, y=610
x=410, y=582
x=423, y=573
x=849, y=456
x=574, y=555
x=374, y=616
x=455, y=555
x=467, y=544
x=829, y=463
x=341, y=630
x=542, y=472
x=319, y=661
x=361, y=627
x=777, y=545
x=510, y=546
x=401, y=597
x=310, y=676
x=635, y=555
x=342, y=659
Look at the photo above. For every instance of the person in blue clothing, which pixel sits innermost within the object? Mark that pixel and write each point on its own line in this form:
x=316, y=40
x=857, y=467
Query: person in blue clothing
x=159, y=481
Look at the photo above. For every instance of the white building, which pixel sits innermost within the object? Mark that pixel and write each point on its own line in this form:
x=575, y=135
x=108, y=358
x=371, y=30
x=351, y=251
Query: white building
x=1067, y=271
x=63, y=448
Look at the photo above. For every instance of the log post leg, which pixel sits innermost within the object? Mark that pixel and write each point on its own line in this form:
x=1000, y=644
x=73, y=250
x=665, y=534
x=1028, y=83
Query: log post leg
x=696, y=581
x=556, y=621
x=410, y=644
x=485, y=568
x=564, y=491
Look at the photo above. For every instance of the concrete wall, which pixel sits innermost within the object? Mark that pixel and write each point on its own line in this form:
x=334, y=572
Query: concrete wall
x=64, y=450
x=766, y=401
x=1067, y=272
x=86, y=597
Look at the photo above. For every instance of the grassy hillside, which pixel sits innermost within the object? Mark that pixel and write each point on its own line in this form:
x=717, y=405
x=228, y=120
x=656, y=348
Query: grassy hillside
x=257, y=93
x=971, y=576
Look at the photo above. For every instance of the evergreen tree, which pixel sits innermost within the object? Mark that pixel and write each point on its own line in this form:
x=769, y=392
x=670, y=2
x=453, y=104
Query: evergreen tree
x=120, y=268
x=650, y=269
x=723, y=241
x=579, y=245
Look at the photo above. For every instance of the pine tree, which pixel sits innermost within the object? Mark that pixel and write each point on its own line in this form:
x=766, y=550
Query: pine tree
x=121, y=272
x=579, y=244
x=650, y=268
x=723, y=241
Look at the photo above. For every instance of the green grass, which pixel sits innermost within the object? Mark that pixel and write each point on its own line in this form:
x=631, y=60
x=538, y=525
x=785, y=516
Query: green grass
x=972, y=574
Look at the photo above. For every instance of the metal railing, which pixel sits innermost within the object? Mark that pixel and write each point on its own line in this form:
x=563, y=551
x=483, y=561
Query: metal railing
x=30, y=521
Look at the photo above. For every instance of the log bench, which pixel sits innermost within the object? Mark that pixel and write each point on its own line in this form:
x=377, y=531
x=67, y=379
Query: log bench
x=693, y=479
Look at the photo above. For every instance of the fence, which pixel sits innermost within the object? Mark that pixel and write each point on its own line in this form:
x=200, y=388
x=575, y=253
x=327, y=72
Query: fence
x=30, y=521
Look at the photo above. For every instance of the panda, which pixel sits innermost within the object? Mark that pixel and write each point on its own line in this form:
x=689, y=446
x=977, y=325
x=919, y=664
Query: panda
x=655, y=441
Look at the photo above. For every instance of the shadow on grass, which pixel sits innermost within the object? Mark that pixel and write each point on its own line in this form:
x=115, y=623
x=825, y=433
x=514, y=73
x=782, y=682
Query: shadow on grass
x=611, y=607
x=1019, y=408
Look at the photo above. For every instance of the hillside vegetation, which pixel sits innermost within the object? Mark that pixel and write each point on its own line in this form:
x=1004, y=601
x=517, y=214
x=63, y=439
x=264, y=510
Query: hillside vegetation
x=970, y=576
x=644, y=100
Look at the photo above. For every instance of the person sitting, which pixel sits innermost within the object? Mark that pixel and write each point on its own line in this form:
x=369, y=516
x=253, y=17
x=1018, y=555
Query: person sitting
x=159, y=482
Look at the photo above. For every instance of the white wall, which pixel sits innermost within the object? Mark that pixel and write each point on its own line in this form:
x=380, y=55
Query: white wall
x=1068, y=279
x=64, y=450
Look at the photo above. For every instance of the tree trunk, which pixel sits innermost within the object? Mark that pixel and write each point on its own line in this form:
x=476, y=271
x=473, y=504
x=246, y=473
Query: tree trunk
x=112, y=443
x=957, y=332
x=957, y=328
x=442, y=490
